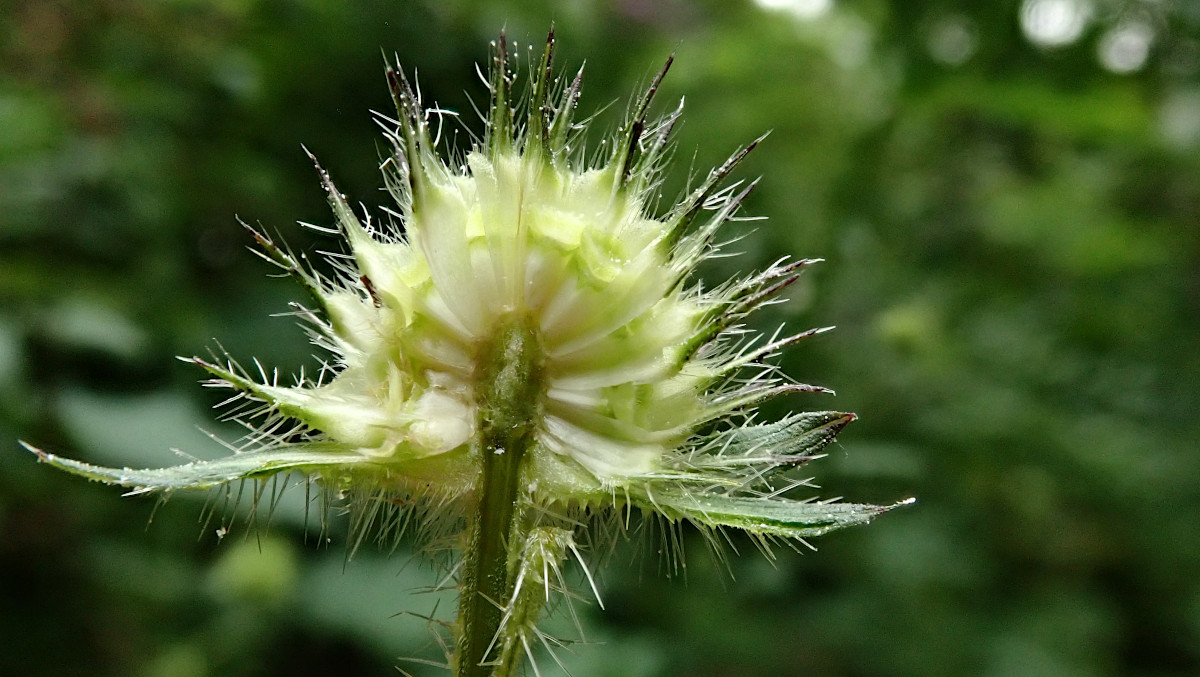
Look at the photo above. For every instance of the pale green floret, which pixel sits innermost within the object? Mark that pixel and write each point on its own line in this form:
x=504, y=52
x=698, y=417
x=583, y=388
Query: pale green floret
x=510, y=238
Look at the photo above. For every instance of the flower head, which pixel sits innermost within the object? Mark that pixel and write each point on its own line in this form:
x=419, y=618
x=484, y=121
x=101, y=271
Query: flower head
x=521, y=318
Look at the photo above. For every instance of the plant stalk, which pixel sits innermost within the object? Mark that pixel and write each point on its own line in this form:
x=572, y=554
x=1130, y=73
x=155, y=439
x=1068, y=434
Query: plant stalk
x=509, y=393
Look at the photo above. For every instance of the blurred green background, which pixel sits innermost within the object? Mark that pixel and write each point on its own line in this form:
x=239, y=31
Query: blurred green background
x=1007, y=196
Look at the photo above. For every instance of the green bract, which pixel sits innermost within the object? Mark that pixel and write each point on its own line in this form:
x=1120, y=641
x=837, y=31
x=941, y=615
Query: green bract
x=523, y=340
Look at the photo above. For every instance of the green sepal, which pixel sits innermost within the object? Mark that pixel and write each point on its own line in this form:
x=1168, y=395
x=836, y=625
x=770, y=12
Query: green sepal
x=793, y=440
x=763, y=516
x=627, y=145
x=537, y=130
x=499, y=137
x=208, y=474
x=560, y=128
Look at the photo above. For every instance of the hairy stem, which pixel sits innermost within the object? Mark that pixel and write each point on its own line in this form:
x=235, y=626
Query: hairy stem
x=509, y=394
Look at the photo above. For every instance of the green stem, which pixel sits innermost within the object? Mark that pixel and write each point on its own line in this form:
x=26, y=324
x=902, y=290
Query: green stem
x=509, y=392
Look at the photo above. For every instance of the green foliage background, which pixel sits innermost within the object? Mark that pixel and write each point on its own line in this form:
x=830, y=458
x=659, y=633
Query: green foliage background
x=1013, y=263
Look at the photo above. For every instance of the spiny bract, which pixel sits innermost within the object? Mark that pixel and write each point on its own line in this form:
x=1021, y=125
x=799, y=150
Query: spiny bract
x=636, y=385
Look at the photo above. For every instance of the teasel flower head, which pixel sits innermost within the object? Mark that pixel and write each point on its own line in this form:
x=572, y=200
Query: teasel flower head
x=521, y=322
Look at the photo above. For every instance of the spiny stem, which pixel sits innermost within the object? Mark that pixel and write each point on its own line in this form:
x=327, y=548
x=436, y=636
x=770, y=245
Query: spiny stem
x=511, y=385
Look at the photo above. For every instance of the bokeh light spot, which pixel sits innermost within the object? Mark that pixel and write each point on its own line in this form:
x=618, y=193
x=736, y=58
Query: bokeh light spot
x=1124, y=49
x=1054, y=23
x=803, y=9
x=953, y=40
x=1179, y=119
